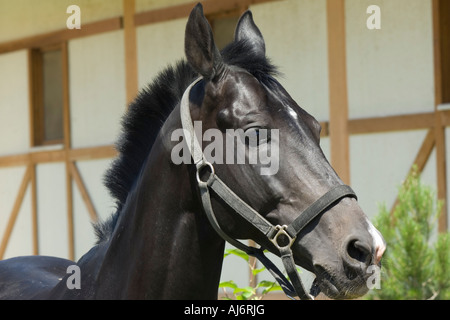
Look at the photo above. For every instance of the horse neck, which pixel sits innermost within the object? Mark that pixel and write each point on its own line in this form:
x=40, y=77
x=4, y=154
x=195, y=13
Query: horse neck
x=163, y=245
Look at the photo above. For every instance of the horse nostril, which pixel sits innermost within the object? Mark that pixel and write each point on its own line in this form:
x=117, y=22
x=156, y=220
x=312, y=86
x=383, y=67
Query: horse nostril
x=359, y=251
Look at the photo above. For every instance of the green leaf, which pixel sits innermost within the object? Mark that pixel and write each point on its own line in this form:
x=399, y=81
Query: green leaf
x=275, y=287
x=245, y=291
x=228, y=284
x=247, y=295
x=236, y=252
x=256, y=271
x=265, y=283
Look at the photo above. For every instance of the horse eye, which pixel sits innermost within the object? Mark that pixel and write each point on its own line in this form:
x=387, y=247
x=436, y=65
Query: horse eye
x=256, y=136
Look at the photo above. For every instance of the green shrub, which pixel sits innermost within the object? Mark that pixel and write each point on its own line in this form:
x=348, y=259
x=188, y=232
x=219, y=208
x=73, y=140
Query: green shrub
x=416, y=264
x=256, y=292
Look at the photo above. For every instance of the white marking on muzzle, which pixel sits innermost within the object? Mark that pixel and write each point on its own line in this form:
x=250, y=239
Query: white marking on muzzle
x=378, y=242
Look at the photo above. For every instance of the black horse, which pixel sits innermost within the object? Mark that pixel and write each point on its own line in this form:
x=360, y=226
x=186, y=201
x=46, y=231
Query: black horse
x=160, y=244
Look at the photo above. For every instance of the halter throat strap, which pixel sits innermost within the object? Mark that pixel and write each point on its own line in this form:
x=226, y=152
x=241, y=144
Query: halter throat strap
x=282, y=237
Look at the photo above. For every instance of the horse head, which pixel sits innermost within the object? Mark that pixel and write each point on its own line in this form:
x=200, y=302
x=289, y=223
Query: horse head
x=266, y=149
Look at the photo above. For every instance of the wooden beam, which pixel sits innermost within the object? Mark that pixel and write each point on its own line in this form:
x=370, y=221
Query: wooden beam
x=441, y=169
x=67, y=146
x=34, y=213
x=33, y=81
x=15, y=211
x=437, y=62
x=66, y=95
x=59, y=36
x=417, y=121
x=116, y=23
x=47, y=156
x=131, y=71
x=93, y=153
x=70, y=224
x=392, y=123
x=36, y=98
x=422, y=156
x=162, y=14
x=338, y=126
x=15, y=160
x=325, y=130
x=84, y=193
x=355, y=126
x=425, y=151
x=89, y=153
x=183, y=10
x=442, y=52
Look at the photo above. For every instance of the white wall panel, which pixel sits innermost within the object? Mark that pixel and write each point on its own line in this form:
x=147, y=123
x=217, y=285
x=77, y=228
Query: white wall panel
x=14, y=139
x=379, y=164
x=14, y=119
x=390, y=71
x=97, y=88
x=159, y=45
x=21, y=241
x=52, y=209
x=296, y=41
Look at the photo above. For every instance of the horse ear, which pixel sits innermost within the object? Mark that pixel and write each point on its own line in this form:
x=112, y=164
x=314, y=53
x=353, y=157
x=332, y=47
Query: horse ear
x=247, y=30
x=199, y=46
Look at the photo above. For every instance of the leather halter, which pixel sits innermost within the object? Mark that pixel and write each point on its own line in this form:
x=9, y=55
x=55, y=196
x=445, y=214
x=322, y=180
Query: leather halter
x=281, y=236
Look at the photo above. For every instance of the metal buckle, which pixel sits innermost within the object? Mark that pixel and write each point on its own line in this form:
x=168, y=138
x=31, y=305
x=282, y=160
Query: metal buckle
x=202, y=165
x=281, y=231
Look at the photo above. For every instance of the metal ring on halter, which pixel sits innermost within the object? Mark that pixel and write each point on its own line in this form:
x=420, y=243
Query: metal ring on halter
x=202, y=165
x=281, y=231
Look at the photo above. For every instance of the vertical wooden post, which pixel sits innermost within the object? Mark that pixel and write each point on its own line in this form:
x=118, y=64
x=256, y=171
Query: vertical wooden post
x=34, y=217
x=31, y=104
x=129, y=29
x=67, y=147
x=441, y=170
x=70, y=226
x=31, y=93
x=337, y=68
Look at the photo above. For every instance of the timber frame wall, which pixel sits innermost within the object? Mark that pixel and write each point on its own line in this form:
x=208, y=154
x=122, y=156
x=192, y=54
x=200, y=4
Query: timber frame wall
x=339, y=127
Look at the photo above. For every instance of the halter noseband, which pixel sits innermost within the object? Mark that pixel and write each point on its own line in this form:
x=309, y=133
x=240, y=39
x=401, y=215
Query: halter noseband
x=281, y=236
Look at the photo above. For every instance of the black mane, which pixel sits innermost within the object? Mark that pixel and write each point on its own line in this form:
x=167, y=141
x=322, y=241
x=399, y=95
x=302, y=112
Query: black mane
x=148, y=112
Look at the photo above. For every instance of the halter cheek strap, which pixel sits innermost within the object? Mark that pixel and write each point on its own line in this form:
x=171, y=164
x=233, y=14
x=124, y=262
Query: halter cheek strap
x=282, y=237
